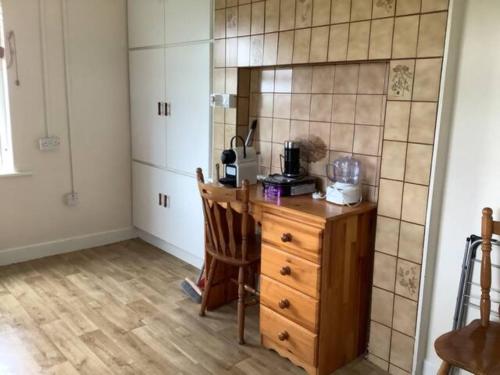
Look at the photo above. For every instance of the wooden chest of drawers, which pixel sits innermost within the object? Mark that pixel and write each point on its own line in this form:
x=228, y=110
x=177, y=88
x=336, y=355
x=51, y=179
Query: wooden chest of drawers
x=316, y=276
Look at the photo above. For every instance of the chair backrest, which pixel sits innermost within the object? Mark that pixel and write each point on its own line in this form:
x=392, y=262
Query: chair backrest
x=227, y=230
x=488, y=228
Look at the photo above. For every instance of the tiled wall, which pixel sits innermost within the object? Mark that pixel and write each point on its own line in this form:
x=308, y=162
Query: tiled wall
x=410, y=35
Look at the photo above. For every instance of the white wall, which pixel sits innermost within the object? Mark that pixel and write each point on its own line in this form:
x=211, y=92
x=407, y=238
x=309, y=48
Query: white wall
x=473, y=168
x=31, y=208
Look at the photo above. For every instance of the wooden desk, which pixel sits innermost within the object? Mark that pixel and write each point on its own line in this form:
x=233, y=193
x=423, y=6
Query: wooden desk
x=316, y=274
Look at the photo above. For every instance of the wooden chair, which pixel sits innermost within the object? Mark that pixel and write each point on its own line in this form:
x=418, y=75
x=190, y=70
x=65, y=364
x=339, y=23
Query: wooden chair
x=476, y=347
x=229, y=238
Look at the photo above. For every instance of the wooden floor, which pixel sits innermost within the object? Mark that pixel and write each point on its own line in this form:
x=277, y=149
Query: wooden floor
x=118, y=309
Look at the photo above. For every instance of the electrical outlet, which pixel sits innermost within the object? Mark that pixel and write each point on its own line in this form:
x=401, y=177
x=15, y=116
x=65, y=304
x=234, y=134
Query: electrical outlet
x=71, y=199
x=49, y=143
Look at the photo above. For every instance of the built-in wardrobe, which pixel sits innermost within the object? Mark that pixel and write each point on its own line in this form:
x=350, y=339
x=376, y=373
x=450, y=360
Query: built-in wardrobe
x=170, y=70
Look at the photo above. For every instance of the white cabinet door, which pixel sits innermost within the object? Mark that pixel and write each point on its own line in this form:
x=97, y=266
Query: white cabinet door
x=185, y=228
x=187, y=20
x=147, y=90
x=187, y=91
x=149, y=214
x=146, y=23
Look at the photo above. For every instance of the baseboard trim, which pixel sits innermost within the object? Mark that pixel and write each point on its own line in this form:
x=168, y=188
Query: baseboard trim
x=66, y=245
x=171, y=249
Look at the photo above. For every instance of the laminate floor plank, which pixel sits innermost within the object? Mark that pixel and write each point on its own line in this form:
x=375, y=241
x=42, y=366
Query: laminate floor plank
x=118, y=309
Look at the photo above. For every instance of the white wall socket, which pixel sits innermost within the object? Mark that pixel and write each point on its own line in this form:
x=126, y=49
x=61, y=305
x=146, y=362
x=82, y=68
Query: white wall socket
x=49, y=143
x=71, y=199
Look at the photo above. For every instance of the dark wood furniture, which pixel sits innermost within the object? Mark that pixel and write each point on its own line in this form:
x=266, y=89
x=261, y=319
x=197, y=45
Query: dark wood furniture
x=476, y=347
x=229, y=238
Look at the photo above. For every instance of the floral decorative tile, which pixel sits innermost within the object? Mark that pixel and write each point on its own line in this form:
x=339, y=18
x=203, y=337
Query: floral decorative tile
x=407, y=279
x=401, y=79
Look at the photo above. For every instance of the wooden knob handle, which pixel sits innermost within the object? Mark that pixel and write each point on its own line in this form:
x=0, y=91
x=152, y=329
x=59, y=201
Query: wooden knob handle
x=285, y=270
x=286, y=237
x=284, y=304
x=283, y=336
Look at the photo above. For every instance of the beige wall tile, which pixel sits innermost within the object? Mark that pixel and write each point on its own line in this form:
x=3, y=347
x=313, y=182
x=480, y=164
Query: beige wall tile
x=256, y=50
x=405, y=37
x=231, y=22
x=346, y=79
x=261, y=105
x=219, y=80
x=272, y=16
x=230, y=117
x=303, y=13
x=431, y=35
x=434, y=5
x=387, y=236
x=244, y=15
x=405, y=315
x=265, y=129
x=344, y=108
x=219, y=53
x=231, y=3
x=229, y=132
x=369, y=109
x=266, y=80
x=276, y=151
x=401, y=75
x=287, y=14
x=393, y=370
x=302, y=79
x=393, y=160
x=384, y=365
x=281, y=130
x=283, y=80
x=319, y=44
x=366, y=140
x=301, y=46
x=342, y=137
x=359, y=34
x=407, y=279
x=218, y=114
x=219, y=136
x=322, y=79
x=411, y=242
x=299, y=130
x=258, y=14
x=232, y=52
x=383, y=8
x=285, y=47
x=407, y=7
x=232, y=81
x=414, y=203
x=381, y=38
x=270, y=49
x=341, y=11
x=402, y=350
x=282, y=104
x=382, y=306
x=322, y=131
x=372, y=78
x=301, y=106
x=244, y=51
x=423, y=122
x=321, y=107
x=380, y=340
x=390, y=197
x=220, y=24
x=265, y=149
x=418, y=163
x=361, y=10
x=384, y=272
x=321, y=12
x=370, y=169
x=427, y=79
x=220, y=4
x=396, y=121
x=337, y=46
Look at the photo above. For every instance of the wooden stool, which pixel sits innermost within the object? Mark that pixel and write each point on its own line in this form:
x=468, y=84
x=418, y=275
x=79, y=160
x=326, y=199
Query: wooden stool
x=476, y=347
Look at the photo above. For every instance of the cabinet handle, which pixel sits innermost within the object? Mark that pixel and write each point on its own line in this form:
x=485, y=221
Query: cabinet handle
x=284, y=304
x=160, y=199
x=286, y=237
x=283, y=336
x=167, y=109
x=159, y=108
x=285, y=270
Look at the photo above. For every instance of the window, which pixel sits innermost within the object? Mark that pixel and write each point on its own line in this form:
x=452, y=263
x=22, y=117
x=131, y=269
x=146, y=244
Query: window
x=6, y=159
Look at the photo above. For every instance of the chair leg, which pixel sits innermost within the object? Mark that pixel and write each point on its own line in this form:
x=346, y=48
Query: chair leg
x=241, y=305
x=444, y=369
x=208, y=285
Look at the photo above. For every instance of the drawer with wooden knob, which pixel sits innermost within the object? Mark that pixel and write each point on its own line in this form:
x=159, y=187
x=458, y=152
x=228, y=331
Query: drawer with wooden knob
x=288, y=335
x=290, y=270
x=292, y=236
x=290, y=303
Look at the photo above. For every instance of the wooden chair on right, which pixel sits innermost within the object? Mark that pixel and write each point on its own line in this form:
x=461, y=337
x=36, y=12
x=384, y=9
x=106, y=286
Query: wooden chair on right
x=476, y=347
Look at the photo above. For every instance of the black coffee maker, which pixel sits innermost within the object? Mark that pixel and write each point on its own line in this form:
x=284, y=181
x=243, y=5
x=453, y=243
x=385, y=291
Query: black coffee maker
x=291, y=160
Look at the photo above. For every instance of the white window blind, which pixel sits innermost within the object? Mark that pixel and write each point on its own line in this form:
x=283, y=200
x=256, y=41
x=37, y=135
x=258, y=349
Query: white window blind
x=6, y=159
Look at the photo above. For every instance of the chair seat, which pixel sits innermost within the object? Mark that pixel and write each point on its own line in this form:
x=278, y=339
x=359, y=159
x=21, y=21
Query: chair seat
x=472, y=348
